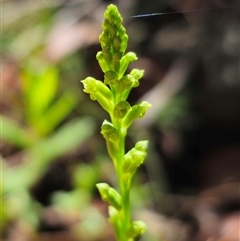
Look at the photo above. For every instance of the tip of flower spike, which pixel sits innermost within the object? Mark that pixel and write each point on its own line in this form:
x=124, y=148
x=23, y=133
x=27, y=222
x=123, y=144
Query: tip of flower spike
x=112, y=14
x=111, y=10
x=112, y=7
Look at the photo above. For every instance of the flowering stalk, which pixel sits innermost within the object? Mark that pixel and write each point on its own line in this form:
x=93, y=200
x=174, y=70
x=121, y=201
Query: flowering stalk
x=112, y=94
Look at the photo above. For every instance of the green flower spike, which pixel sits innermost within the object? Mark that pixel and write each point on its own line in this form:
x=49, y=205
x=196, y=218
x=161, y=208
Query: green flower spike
x=111, y=94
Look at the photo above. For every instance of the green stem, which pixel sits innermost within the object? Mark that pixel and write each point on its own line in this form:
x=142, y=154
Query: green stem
x=124, y=190
x=125, y=209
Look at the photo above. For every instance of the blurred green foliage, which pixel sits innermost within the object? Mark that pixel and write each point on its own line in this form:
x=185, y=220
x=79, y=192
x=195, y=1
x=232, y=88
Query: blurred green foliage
x=43, y=129
x=84, y=178
x=174, y=113
x=44, y=112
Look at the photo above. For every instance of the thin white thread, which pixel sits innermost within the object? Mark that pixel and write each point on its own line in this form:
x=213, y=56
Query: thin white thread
x=187, y=11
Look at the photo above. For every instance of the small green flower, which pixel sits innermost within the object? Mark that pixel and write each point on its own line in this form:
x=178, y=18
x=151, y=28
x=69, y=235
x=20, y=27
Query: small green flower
x=137, y=74
x=125, y=61
x=117, y=41
x=110, y=195
x=136, y=230
x=107, y=54
x=121, y=109
x=141, y=146
x=103, y=189
x=102, y=62
x=113, y=31
x=98, y=91
x=137, y=111
x=89, y=85
x=124, y=38
x=114, y=199
x=134, y=158
x=109, y=132
x=126, y=83
x=116, y=61
x=110, y=78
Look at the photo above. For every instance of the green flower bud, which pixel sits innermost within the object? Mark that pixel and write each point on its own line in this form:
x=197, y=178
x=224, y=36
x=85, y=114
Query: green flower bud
x=118, y=20
x=124, y=43
x=136, y=229
x=121, y=31
x=106, y=45
x=92, y=86
x=116, y=61
x=112, y=149
x=104, y=91
x=109, y=132
x=117, y=42
x=113, y=31
x=111, y=19
x=107, y=54
x=121, y=109
x=125, y=83
x=137, y=111
x=125, y=61
x=110, y=78
x=128, y=171
x=138, y=74
x=89, y=85
x=106, y=104
x=141, y=146
x=114, y=198
x=103, y=38
x=100, y=92
x=105, y=24
x=132, y=160
x=103, y=189
x=111, y=13
x=138, y=156
x=110, y=195
x=131, y=116
x=102, y=63
x=130, y=165
x=143, y=107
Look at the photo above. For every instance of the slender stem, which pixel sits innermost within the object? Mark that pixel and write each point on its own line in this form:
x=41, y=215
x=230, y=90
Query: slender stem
x=124, y=190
